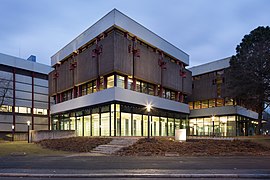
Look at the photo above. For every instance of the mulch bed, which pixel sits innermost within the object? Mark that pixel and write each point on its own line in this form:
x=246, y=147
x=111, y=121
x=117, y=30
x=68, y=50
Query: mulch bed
x=194, y=147
x=74, y=144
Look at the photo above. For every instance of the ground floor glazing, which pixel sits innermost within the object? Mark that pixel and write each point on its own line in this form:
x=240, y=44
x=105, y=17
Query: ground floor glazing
x=120, y=119
x=233, y=125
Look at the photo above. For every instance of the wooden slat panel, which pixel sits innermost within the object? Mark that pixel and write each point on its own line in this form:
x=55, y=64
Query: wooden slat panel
x=122, y=58
x=146, y=67
x=86, y=66
x=107, y=55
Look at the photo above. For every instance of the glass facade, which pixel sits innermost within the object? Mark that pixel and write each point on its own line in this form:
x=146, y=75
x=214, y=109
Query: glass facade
x=120, y=120
x=222, y=126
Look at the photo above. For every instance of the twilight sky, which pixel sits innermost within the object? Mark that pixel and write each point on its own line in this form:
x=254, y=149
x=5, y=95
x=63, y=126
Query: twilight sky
x=207, y=30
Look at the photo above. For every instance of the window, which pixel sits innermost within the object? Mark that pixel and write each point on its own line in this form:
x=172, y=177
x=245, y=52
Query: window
x=94, y=86
x=228, y=102
x=89, y=88
x=101, y=85
x=212, y=103
x=110, y=81
x=190, y=105
x=130, y=84
x=40, y=111
x=144, y=88
x=84, y=90
x=220, y=102
x=197, y=105
x=138, y=86
x=151, y=89
x=205, y=104
x=120, y=81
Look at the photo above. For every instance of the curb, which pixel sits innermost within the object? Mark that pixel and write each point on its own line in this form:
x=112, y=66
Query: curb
x=261, y=176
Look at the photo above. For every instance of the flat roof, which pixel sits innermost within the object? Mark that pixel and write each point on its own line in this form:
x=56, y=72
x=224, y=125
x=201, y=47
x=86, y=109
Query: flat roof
x=24, y=64
x=117, y=19
x=210, y=67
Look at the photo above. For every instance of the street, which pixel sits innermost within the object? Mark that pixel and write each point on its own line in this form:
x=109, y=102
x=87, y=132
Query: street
x=98, y=167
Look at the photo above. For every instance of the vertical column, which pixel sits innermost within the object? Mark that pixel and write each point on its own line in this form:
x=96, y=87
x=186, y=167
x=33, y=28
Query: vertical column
x=14, y=99
x=32, y=109
x=49, y=113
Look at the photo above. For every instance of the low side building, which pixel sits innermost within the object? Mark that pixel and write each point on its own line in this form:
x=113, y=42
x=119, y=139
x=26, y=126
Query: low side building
x=213, y=112
x=23, y=94
x=103, y=80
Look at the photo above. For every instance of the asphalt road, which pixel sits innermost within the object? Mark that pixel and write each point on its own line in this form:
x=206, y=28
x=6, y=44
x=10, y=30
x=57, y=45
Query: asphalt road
x=99, y=167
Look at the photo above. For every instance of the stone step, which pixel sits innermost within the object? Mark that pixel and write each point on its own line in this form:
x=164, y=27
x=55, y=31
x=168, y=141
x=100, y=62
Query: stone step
x=115, y=145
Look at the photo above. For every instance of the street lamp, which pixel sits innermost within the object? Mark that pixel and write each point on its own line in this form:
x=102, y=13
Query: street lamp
x=13, y=129
x=213, y=121
x=28, y=126
x=148, y=107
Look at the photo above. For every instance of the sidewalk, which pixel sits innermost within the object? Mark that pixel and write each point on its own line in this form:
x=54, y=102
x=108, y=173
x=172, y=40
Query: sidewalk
x=138, y=173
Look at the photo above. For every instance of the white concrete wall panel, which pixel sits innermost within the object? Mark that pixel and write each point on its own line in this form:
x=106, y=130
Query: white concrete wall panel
x=224, y=110
x=122, y=95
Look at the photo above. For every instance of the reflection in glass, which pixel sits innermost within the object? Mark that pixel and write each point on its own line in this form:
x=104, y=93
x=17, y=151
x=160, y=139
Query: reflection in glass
x=105, y=121
x=137, y=125
x=95, y=124
x=155, y=126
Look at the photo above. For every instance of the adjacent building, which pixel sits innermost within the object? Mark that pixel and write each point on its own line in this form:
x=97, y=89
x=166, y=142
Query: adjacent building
x=23, y=94
x=103, y=80
x=212, y=111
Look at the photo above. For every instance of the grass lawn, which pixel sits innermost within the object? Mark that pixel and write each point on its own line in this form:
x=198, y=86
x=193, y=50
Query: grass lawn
x=20, y=147
x=263, y=140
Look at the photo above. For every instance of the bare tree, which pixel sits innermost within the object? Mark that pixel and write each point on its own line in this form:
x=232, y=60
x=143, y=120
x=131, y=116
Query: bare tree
x=5, y=90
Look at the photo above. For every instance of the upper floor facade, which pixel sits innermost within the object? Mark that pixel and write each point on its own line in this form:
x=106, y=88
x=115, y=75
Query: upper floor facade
x=112, y=53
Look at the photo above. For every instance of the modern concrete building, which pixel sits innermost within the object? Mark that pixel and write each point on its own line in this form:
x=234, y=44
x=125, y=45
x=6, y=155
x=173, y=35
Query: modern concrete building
x=212, y=111
x=103, y=80
x=23, y=94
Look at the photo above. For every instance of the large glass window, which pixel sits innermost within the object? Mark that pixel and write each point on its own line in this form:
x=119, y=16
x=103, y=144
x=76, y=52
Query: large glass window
x=205, y=104
x=197, y=105
x=145, y=125
x=110, y=81
x=151, y=90
x=220, y=102
x=170, y=126
x=144, y=88
x=138, y=86
x=87, y=125
x=79, y=122
x=228, y=102
x=125, y=124
x=193, y=127
x=223, y=125
x=190, y=105
x=231, y=126
x=84, y=89
x=212, y=103
x=95, y=125
x=163, y=126
x=89, y=88
x=120, y=81
x=155, y=126
x=101, y=84
x=200, y=130
x=137, y=125
x=130, y=84
x=207, y=126
x=105, y=127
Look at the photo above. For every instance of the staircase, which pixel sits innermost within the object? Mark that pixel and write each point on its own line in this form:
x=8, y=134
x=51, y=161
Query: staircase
x=115, y=145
